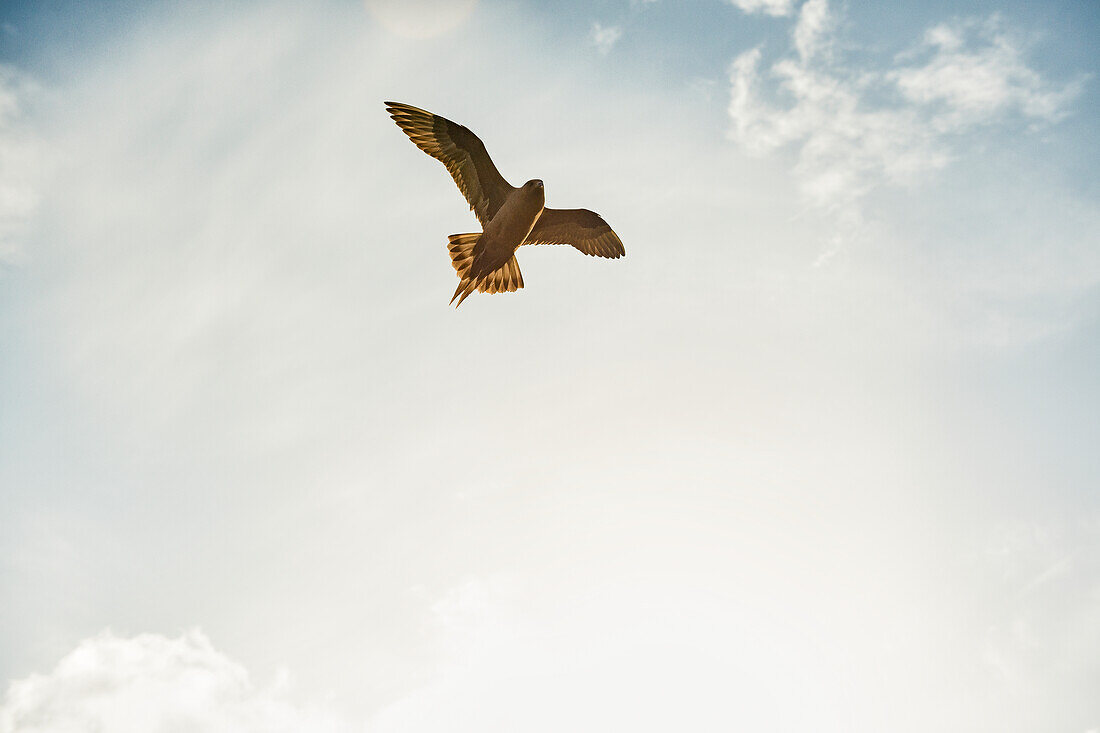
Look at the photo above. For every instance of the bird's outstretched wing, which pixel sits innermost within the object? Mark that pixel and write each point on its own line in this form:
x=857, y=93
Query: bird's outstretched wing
x=586, y=230
x=461, y=151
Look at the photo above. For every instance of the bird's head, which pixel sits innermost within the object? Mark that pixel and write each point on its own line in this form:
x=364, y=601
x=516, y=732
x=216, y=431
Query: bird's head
x=533, y=188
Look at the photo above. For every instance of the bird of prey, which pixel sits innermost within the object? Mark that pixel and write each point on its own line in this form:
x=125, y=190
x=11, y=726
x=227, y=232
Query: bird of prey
x=485, y=261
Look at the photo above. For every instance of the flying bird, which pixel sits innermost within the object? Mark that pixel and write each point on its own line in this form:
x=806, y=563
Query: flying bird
x=486, y=261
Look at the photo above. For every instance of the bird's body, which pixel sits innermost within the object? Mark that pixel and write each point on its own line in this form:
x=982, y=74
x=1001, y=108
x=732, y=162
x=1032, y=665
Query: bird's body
x=485, y=261
x=506, y=231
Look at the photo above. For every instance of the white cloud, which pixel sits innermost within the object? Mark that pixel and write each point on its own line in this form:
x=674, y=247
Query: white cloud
x=888, y=128
x=20, y=160
x=151, y=683
x=813, y=23
x=769, y=7
x=844, y=148
x=850, y=137
x=605, y=38
x=967, y=83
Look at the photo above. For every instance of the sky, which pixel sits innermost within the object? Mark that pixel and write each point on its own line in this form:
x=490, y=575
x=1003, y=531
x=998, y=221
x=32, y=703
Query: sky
x=820, y=453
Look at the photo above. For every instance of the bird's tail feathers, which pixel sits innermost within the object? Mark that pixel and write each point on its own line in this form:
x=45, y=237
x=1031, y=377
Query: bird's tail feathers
x=465, y=287
x=461, y=247
x=504, y=279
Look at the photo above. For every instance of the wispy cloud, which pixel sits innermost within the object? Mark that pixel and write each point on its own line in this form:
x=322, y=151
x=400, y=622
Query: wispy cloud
x=1047, y=574
x=151, y=682
x=605, y=38
x=810, y=31
x=975, y=72
x=770, y=7
x=855, y=129
x=20, y=160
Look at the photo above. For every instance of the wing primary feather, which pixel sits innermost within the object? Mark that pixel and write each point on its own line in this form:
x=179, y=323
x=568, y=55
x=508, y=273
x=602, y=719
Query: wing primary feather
x=583, y=229
x=461, y=151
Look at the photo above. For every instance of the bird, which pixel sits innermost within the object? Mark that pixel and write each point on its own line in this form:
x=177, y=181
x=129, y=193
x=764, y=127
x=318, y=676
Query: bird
x=485, y=261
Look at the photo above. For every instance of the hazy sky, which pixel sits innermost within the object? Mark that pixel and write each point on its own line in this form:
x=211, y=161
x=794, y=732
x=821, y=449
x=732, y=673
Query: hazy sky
x=821, y=453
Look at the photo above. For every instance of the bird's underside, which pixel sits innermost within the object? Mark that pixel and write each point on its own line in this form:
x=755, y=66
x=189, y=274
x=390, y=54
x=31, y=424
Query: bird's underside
x=485, y=261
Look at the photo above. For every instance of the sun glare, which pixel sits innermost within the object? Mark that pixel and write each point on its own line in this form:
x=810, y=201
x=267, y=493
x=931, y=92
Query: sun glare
x=420, y=19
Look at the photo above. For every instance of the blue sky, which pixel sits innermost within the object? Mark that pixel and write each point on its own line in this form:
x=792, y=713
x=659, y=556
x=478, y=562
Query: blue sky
x=819, y=453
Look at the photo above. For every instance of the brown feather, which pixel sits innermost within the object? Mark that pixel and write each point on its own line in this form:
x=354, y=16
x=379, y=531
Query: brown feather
x=586, y=230
x=461, y=151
